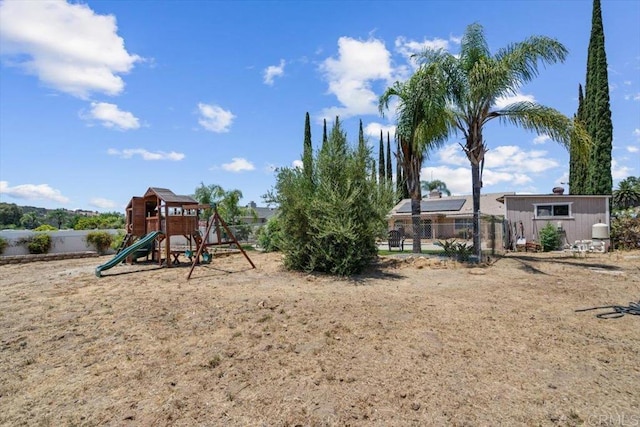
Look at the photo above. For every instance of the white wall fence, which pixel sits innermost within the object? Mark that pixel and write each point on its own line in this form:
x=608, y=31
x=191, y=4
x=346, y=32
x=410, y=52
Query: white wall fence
x=62, y=241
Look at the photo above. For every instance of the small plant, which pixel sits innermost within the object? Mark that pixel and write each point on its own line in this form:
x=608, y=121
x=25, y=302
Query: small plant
x=39, y=244
x=549, y=238
x=3, y=245
x=214, y=362
x=461, y=251
x=101, y=240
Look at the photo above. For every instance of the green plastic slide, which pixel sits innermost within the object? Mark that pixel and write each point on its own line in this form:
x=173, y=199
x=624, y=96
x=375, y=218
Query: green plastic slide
x=143, y=245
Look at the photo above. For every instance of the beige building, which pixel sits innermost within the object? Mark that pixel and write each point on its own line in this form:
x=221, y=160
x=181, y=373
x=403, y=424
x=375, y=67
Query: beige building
x=447, y=217
x=573, y=215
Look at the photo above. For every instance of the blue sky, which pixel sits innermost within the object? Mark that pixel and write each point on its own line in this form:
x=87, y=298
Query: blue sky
x=100, y=100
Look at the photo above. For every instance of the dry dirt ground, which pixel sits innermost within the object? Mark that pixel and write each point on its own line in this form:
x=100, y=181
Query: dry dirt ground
x=410, y=342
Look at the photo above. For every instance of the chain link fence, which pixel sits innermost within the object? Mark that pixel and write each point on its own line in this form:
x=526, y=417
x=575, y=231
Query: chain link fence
x=492, y=231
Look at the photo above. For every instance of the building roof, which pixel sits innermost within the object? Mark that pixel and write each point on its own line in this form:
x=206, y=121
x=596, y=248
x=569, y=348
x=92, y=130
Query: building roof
x=559, y=196
x=454, y=206
x=169, y=196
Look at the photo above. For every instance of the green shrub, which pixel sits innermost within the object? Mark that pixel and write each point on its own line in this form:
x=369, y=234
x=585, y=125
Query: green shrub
x=270, y=235
x=101, y=240
x=331, y=213
x=625, y=229
x=117, y=239
x=45, y=227
x=39, y=243
x=550, y=238
x=3, y=245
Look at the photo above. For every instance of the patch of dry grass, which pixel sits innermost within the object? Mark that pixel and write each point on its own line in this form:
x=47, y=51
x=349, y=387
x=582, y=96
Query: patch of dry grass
x=411, y=342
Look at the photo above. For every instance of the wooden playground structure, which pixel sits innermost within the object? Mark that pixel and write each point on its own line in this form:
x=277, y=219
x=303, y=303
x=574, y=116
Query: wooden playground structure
x=169, y=215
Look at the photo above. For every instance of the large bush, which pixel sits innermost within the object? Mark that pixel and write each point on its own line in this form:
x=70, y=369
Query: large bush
x=330, y=216
x=45, y=227
x=39, y=243
x=270, y=235
x=625, y=229
x=101, y=240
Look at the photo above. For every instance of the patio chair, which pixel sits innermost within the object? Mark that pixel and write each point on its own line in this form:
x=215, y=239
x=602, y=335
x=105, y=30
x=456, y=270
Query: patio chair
x=396, y=240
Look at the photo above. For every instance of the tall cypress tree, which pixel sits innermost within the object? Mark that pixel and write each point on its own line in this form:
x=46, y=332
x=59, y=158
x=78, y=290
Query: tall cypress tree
x=389, y=170
x=381, y=164
x=307, y=156
x=401, y=185
x=578, y=160
x=324, y=134
x=361, y=142
x=597, y=109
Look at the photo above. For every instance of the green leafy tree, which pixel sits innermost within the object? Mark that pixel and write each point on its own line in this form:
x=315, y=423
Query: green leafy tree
x=441, y=186
x=627, y=195
x=208, y=195
x=59, y=217
x=10, y=214
x=333, y=228
x=29, y=220
x=578, y=157
x=597, y=108
x=228, y=205
x=476, y=79
x=422, y=126
x=108, y=220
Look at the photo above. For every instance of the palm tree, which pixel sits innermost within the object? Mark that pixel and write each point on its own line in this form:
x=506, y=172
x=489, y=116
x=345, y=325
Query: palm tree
x=59, y=216
x=628, y=194
x=435, y=184
x=476, y=80
x=421, y=126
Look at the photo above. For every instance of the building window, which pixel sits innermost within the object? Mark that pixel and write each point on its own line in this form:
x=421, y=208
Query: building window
x=562, y=210
x=461, y=224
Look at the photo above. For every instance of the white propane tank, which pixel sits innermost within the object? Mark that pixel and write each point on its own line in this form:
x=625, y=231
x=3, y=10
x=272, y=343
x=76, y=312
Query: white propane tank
x=600, y=231
x=600, y=236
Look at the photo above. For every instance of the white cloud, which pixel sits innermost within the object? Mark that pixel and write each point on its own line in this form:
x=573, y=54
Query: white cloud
x=408, y=48
x=67, y=46
x=632, y=149
x=101, y=203
x=214, y=118
x=636, y=133
x=504, y=164
x=112, y=117
x=458, y=180
x=238, y=164
x=146, y=155
x=273, y=71
x=512, y=158
x=33, y=192
x=619, y=171
x=297, y=164
x=541, y=139
x=452, y=154
x=503, y=101
x=373, y=130
x=351, y=74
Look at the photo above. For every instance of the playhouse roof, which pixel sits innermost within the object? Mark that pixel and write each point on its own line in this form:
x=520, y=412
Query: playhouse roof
x=169, y=196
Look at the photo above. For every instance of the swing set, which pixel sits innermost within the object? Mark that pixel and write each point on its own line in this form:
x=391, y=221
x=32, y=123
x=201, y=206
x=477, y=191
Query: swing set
x=224, y=237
